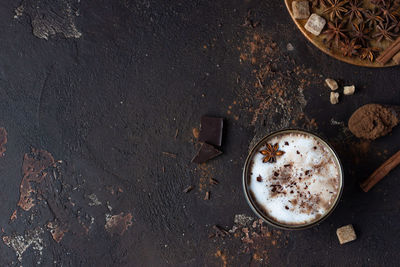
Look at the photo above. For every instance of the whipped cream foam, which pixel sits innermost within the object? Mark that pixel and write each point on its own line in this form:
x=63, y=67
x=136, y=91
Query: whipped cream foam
x=301, y=185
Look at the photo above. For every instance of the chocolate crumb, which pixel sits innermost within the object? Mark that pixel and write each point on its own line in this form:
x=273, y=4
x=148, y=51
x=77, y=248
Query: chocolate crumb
x=286, y=143
x=276, y=173
x=297, y=152
x=307, y=172
x=315, y=148
x=259, y=178
x=213, y=181
x=188, y=189
x=286, y=207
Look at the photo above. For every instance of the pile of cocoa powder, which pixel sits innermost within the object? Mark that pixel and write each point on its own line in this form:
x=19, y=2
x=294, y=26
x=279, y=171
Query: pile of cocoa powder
x=373, y=120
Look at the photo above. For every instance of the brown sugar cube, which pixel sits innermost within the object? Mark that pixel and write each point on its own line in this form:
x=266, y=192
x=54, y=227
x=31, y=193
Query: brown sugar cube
x=396, y=58
x=315, y=24
x=331, y=84
x=346, y=234
x=349, y=90
x=301, y=9
x=334, y=98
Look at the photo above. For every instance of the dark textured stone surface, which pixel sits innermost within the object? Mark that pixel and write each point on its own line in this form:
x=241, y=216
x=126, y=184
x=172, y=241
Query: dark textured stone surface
x=109, y=103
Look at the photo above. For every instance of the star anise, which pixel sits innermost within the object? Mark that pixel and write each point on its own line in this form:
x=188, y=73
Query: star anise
x=355, y=9
x=318, y=3
x=373, y=17
x=397, y=27
x=335, y=8
x=349, y=48
x=369, y=53
x=384, y=31
x=360, y=33
x=271, y=152
x=389, y=11
x=377, y=2
x=336, y=32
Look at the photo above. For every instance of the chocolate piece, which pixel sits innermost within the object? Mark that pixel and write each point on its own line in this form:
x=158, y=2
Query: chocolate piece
x=315, y=24
x=346, y=234
x=205, y=153
x=301, y=10
x=211, y=130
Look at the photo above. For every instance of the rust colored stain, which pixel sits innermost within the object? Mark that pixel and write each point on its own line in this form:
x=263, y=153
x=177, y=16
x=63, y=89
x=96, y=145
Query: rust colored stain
x=57, y=232
x=221, y=256
x=118, y=224
x=3, y=141
x=195, y=133
x=13, y=216
x=255, y=236
x=33, y=171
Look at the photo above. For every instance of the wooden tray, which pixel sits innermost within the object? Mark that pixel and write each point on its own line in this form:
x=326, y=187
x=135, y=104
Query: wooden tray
x=318, y=42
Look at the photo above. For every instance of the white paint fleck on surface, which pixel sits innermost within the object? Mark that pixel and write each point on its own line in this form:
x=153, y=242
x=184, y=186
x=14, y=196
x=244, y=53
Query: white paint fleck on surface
x=94, y=201
x=20, y=243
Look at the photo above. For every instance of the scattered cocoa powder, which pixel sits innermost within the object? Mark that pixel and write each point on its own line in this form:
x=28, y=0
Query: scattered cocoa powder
x=372, y=121
x=196, y=133
x=3, y=140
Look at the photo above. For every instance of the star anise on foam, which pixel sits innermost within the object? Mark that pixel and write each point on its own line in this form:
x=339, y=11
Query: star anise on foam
x=360, y=33
x=271, y=152
x=355, y=9
x=369, y=53
x=349, y=48
x=384, y=31
x=336, y=32
x=373, y=17
x=335, y=8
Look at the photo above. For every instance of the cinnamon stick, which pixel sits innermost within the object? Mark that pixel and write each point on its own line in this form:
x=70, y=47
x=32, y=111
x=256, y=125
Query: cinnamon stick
x=389, y=52
x=381, y=172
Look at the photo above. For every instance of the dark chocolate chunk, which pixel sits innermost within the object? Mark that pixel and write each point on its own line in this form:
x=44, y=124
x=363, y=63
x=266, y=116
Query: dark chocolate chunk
x=211, y=130
x=205, y=153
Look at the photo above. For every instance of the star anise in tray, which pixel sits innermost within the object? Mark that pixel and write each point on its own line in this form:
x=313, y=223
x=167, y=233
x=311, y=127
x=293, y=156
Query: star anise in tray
x=355, y=8
x=390, y=11
x=385, y=32
x=349, y=48
x=373, y=17
x=318, y=3
x=360, y=33
x=369, y=53
x=271, y=152
x=335, y=9
x=336, y=32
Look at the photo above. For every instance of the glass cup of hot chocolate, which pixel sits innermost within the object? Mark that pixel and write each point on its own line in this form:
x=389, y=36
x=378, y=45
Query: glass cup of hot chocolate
x=293, y=179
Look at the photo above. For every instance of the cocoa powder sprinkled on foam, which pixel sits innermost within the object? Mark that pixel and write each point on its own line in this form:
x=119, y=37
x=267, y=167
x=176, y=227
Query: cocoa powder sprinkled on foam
x=296, y=184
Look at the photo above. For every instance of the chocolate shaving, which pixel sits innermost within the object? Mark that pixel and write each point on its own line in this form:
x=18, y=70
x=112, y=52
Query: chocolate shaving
x=213, y=181
x=188, y=189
